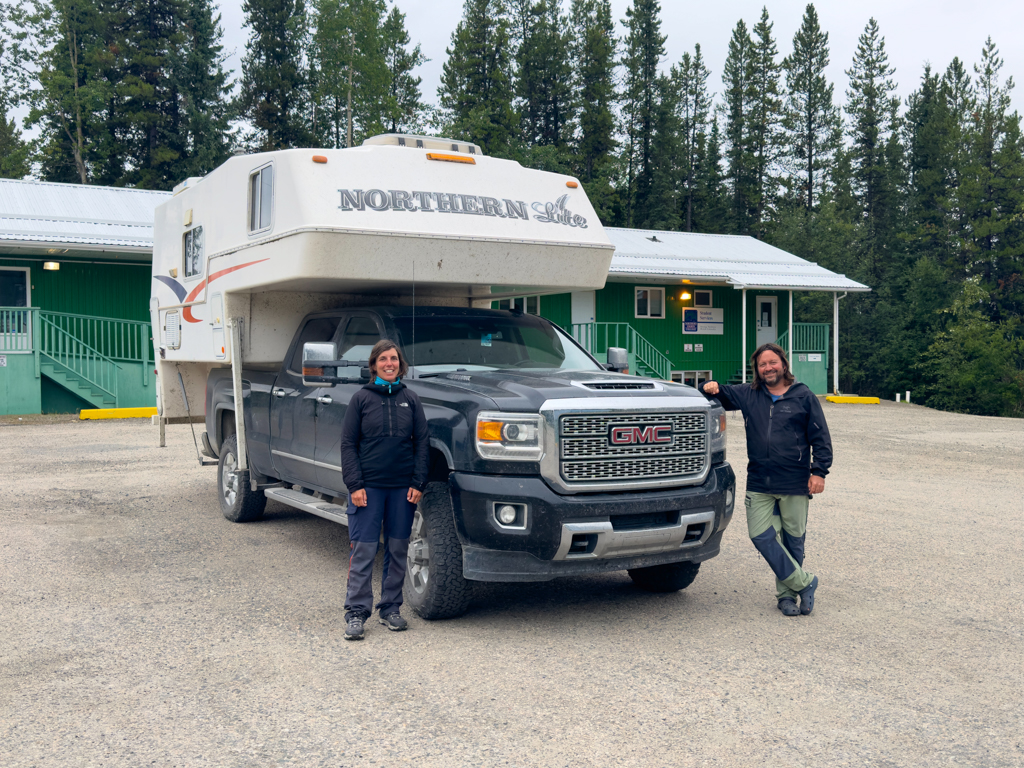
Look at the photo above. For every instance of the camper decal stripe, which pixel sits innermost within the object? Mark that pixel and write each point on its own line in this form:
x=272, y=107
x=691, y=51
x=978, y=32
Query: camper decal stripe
x=174, y=285
x=187, y=313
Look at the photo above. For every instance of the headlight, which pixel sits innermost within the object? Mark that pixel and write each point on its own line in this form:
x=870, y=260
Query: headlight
x=717, y=429
x=509, y=436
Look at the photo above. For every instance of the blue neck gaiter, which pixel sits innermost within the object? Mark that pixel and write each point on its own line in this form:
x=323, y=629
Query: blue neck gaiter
x=389, y=384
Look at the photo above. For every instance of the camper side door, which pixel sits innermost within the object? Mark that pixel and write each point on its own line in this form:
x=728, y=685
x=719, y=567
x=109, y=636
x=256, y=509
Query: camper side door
x=293, y=408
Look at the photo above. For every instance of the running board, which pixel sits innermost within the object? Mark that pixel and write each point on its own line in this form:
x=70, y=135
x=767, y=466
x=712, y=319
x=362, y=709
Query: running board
x=308, y=503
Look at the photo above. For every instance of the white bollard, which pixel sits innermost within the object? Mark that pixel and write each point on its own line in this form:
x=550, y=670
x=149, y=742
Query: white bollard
x=897, y=397
x=908, y=395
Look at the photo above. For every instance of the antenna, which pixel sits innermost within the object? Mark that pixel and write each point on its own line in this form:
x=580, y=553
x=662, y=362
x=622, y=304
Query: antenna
x=413, y=312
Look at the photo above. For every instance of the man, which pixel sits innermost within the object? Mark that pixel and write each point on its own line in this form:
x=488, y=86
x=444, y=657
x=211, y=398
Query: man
x=789, y=451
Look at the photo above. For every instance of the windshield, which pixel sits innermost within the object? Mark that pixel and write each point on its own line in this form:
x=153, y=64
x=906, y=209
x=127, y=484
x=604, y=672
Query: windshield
x=488, y=342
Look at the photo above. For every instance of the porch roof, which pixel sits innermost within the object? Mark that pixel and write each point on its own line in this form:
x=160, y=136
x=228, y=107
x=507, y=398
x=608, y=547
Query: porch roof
x=41, y=216
x=736, y=260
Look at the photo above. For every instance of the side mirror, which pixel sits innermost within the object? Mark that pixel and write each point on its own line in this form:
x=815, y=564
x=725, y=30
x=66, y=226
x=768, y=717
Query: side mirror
x=320, y=366
x=618, y=360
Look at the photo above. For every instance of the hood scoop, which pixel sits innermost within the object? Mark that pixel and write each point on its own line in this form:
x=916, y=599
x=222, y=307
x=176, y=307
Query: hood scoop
x=617, y=385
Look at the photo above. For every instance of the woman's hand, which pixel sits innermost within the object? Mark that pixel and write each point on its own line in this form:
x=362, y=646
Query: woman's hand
x=414, y=496
x=358, y=497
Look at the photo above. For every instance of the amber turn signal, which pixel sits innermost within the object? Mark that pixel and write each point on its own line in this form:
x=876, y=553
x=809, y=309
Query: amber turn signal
x=489, y=431
x=312, y=371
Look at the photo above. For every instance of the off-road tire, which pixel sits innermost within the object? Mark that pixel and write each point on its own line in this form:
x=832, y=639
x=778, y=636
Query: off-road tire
x=238, y=502
x=434, y=585
x=670, y=577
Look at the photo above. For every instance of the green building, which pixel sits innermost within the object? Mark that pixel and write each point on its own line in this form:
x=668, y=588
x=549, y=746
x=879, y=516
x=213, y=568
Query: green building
x=74, y=297
x=693, y=307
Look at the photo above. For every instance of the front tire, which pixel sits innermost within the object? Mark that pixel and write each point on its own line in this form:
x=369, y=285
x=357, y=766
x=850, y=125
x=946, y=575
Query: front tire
x=434, y=585
x=238, y=502
x=670, y=577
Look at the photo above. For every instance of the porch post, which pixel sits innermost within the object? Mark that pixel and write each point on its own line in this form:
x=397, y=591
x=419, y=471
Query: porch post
x=790, y=328
x=743, y=362
x=835, y=342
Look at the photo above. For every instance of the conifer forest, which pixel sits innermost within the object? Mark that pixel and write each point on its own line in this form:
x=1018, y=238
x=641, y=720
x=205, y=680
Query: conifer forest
x=922, y=198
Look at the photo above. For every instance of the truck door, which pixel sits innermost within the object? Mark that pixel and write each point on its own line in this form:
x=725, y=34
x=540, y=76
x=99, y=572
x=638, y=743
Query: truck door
x=361, y=332
x=293, y=409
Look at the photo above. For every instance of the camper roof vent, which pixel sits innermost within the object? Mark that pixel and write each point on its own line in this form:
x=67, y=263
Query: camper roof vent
x=188, y=183
x=422, y=142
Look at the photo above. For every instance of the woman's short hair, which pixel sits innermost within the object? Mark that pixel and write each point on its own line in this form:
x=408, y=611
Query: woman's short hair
x=380, y=348
x=787, y=375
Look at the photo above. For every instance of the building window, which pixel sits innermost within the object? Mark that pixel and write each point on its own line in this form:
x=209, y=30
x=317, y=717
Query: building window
x=702, y=298
x=650, y=302
x=691, y=378
x=261, y=199
x=193, y=249
x=528, y=304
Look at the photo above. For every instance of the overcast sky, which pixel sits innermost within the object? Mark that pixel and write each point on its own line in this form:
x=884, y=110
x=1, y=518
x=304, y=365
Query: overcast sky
x=916, y=31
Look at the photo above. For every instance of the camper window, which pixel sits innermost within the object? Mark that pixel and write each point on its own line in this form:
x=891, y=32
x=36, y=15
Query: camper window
x=317, y=329
x=261, y=199
x=193, y=248
x=650, y=302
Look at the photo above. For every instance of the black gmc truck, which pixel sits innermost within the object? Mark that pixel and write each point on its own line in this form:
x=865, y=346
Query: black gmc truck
x=543, y=463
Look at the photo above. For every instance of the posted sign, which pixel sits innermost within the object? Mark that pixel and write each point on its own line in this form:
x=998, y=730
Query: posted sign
x=704, y=321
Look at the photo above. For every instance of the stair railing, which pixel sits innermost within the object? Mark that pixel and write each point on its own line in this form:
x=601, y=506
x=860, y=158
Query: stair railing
x=120, y=340
x=597, y=337
x=82, y=360
x=16, y=329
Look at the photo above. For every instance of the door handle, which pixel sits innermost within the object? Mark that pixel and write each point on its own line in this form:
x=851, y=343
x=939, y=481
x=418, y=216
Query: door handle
x=324, y=400
x=278, y=393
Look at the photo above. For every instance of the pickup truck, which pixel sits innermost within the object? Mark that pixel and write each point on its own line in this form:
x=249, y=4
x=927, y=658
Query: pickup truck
x=543, y=463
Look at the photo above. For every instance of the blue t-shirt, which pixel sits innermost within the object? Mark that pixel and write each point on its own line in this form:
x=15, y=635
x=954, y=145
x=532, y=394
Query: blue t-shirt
x=775, y=398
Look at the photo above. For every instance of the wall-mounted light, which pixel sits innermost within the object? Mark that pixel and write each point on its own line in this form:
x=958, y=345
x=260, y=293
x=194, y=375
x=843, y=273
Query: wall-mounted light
x=51, y=266
x=685, y=295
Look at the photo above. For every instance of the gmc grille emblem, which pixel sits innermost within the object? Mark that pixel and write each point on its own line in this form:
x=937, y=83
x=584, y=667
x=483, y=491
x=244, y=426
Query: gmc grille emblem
x=640, y=435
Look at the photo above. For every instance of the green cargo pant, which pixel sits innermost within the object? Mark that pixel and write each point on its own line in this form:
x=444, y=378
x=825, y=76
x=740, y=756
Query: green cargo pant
x=780, y=538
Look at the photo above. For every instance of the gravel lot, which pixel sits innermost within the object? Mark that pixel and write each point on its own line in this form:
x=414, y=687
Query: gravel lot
x=141, y=628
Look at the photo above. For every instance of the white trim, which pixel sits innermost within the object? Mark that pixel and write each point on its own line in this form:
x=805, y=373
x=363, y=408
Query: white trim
x=790, y=334
x=743, y=335
x=28, y=280
x=649, y=288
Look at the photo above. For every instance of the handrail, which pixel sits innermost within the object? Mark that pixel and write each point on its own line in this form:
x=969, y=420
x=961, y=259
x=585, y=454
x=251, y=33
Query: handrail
x=597, y=337
x=16, y=329
x=125, y=340
x=84, y=361
x=807, y=337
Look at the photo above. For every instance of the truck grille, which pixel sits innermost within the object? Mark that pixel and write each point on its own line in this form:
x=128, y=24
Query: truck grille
x=588, y=454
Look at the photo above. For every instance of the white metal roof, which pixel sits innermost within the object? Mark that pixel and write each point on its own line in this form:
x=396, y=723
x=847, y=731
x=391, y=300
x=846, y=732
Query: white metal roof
x=740, y=261
x=40, y=214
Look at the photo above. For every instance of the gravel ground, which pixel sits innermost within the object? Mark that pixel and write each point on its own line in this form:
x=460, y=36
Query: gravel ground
x=141, y=628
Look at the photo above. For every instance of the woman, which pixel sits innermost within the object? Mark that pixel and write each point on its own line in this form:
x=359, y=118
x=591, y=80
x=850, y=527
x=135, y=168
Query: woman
x=384, y=458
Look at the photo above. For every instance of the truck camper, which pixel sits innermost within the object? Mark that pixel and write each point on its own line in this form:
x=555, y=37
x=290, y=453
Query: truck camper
x=275, y=274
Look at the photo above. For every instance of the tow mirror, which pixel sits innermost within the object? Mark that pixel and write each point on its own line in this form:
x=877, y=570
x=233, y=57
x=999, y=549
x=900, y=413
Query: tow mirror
x=618, y=360
x=321, y=366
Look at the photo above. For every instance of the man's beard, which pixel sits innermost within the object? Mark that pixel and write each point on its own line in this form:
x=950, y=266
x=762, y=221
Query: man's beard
x=772, y=378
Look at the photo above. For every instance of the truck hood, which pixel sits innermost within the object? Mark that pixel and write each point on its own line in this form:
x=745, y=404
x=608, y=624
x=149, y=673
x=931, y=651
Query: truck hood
x=526, y=391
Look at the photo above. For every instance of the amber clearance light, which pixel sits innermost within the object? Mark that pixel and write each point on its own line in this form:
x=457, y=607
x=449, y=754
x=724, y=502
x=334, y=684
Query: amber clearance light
x=451, y=158
x=488, y=430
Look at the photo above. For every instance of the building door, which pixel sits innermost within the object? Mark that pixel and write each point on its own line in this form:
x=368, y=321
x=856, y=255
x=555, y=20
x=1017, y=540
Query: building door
x=583, y=312
x=15, y=291
x=766, y=319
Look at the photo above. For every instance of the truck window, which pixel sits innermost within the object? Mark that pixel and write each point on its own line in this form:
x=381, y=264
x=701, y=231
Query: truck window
x=488, y=342
x=317, y=329
x=360, y=335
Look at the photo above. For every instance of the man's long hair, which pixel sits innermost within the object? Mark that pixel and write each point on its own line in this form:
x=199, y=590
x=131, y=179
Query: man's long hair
x=787, y=375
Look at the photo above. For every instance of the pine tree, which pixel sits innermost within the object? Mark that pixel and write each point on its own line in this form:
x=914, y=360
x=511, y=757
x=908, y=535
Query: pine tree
x=14, y=152
x=274, y=95
x=544, y=82
x=694, y=111
x=765, y=120
x=662, y=210
x=711, y=201
x=737, y=77
x=644, y=49
x=476, y=83
x=406, y=100
x=873, y=109
x=593, y=54
x=812, y=120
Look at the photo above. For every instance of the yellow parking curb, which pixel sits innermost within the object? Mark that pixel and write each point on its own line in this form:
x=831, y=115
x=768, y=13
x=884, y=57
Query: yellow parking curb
x=117, y=413
x=852, y=399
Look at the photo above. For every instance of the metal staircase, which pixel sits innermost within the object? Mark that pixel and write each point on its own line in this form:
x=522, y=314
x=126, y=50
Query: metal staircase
x=644, y=358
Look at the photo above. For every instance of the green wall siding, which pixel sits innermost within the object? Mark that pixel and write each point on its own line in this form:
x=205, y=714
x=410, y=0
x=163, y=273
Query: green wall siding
x=19, y=387
x=100, y=290
x=557, y=308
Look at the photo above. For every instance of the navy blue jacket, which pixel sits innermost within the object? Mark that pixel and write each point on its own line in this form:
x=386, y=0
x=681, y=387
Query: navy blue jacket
x=385, y=442
x=787, y=441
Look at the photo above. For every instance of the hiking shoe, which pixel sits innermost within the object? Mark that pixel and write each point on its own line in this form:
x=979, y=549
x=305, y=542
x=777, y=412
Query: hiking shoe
x=394, y=622
x=807, y=597
x=354, y=628
x=788, y=607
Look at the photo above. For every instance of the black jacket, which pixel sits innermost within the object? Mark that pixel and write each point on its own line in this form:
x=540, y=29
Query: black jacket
x=787, y=441
x=385, y=442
